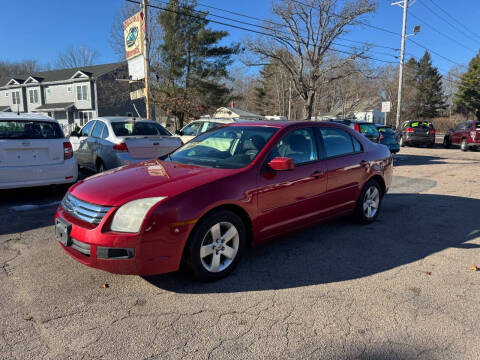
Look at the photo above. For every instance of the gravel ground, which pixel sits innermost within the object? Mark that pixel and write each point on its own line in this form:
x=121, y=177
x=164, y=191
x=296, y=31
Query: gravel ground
x=400, y=288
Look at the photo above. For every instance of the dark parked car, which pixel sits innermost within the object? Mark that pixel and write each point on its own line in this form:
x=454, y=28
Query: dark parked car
x=365, y=128
x=466, y=134
x=389, y=138
x=416, y=132
x=236, y=185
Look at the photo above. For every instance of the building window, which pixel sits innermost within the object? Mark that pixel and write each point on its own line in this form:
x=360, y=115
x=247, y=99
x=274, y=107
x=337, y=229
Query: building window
x=6, y=93
x=16, y=97
x=33, y=96
x=82, y=92
x=69, y=89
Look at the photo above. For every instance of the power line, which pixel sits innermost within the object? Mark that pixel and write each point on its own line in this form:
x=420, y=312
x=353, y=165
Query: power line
x=451, y=17
x=441, y=33
x=436, y=53
x=448, y=22
x=258, y=32
x=271, y=22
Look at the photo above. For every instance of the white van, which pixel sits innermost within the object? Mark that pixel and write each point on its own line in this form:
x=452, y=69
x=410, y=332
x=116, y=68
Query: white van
x=34, y=152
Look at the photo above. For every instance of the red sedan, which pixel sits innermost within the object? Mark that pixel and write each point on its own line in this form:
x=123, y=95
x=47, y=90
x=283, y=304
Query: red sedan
x=234, y=186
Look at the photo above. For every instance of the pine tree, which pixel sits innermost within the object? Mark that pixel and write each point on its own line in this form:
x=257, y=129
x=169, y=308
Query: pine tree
x=431, y=99
x=468, y=95
x=193, y=66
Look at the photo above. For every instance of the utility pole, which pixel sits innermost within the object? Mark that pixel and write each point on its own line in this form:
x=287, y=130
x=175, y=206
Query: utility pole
x=289, y=100
x=403, y=4
x=145, y=56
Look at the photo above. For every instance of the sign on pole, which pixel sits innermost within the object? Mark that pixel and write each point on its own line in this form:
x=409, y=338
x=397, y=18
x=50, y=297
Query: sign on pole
x=136, y=68
x=133, y=35
x=386, y=106
x=137, y=94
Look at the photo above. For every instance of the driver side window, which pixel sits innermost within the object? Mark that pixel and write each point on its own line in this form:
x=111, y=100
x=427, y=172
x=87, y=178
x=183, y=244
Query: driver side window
x=299, y=145
x=86, y=129
x=192, y=129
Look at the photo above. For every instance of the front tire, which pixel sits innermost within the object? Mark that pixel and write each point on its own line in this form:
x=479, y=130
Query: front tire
x=215, y=246
x=369, y=202
x=446, y=142
x=100, y=167
x=464, y=145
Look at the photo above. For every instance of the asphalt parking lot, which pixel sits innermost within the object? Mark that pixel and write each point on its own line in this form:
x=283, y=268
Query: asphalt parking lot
x=400, y=288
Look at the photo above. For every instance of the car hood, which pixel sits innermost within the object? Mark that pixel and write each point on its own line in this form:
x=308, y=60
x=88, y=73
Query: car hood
x=146, y=179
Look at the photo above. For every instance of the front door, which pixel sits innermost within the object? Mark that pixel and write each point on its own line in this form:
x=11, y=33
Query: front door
x=290, y=198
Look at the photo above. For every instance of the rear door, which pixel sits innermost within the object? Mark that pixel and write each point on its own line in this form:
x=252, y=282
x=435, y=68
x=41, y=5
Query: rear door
x=458, y=133
x=30, y=143
x=346, y=169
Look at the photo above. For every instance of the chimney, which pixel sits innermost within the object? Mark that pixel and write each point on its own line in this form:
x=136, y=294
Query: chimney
x=232, y=104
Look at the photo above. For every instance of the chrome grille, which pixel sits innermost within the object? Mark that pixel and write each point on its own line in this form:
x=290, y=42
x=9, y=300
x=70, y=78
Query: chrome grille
x=83, y=210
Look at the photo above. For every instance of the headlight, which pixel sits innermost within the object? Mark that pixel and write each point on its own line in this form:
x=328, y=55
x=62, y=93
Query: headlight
x=129, y=217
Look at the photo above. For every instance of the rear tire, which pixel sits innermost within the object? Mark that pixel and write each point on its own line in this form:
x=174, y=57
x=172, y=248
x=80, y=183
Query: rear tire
x=369, y=202
x=100, y=167
x=215, y=246
x=464, y=145
x=402, y=142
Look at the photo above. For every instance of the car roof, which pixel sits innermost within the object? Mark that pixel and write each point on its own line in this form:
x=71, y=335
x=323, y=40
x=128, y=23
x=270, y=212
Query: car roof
x=25, y=116
x=113, y=119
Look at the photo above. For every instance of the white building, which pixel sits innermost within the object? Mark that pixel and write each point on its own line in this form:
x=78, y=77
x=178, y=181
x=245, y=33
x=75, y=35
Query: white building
x=371, y=115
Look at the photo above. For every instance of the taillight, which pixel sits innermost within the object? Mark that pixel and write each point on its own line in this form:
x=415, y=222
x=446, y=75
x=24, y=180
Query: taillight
x=432, y=131
x=67, y=150
x=120, y=147
x=473, y=134
x=380, y=138
x=181, y=143
x=356, y=127
x=409, y=130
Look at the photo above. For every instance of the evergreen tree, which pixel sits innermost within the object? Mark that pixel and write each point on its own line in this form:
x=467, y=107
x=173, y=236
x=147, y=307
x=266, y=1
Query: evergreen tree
x=410, y=106
x=468, y=95
x=430, y=97
x=193, y=66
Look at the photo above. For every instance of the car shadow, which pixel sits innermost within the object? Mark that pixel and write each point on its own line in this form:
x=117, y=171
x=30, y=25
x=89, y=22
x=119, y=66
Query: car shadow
x=410, y=227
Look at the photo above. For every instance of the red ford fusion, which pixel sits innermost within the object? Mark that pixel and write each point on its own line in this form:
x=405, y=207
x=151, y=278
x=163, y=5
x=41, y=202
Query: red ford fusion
x=234, y=186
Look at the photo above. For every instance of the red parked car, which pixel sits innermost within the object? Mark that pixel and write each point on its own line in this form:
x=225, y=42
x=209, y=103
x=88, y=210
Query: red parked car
x=466, y=134
x=236, y=185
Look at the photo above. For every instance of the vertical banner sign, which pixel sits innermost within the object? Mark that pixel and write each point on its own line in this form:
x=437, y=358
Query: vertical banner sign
x=133, y=33
x=386, y=105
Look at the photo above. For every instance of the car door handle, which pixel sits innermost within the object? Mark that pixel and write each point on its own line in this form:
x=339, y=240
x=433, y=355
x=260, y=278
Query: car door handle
x=318, y=174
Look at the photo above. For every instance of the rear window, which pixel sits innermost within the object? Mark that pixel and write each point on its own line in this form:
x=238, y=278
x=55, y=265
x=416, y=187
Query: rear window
x=424, y=124
x=131, y=128
x=386, y=130
x=368, y=130
x=477, y=126
x=25, y=129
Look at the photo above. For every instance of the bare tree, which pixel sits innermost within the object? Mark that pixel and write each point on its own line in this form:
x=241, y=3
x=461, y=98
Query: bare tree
x=18, y=68
x=77, y=57
x=305, y=32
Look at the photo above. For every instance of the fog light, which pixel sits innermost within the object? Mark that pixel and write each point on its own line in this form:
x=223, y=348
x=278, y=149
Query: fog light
x=114, y=253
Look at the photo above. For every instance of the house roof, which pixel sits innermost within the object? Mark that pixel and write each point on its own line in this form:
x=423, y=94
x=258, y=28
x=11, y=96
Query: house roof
x=55, y=106
x=63, y=74
x=4, y=108
x=240, y=112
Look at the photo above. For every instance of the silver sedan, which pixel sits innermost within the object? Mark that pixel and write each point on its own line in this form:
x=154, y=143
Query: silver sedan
x=109, y=142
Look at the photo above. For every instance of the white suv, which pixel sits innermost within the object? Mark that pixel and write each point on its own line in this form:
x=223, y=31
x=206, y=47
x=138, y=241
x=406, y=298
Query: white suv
x=34, y=152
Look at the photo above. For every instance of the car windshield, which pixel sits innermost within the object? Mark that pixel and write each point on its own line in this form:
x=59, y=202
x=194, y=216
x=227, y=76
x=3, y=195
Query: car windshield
x=424, y=124
x=25, y=129
x=139, y=128
x=368, y=130
x=230, y=147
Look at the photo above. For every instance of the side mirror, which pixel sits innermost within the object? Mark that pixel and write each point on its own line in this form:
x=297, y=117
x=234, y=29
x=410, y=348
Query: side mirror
x=281, y=164
x=179, y=132
x=74, y=134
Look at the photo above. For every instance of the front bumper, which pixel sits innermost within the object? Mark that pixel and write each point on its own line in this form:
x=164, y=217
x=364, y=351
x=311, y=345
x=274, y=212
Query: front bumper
x=156, y=251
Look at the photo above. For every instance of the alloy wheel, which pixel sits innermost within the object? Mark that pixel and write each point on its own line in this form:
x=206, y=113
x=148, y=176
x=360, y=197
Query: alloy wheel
x=371, y=201
x=219, y=247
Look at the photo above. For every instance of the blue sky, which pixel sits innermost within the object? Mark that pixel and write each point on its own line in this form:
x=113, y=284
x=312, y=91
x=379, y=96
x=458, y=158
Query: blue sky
x=50, y=26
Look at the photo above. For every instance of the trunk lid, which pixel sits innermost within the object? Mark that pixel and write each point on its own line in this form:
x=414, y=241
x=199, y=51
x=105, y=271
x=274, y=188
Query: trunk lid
x=31, y=152
x=148, y=147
